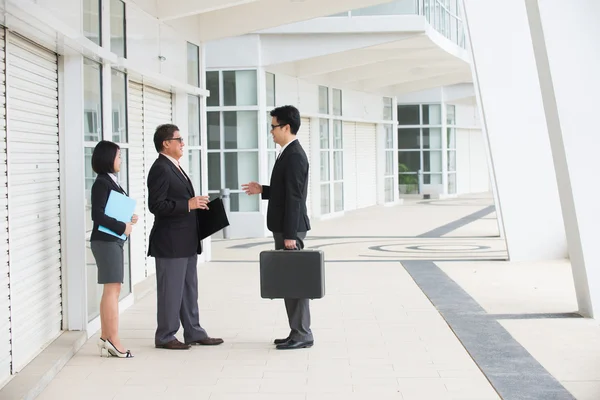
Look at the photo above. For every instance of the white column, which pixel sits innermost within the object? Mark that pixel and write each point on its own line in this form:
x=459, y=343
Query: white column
x=444, y=138
x=73, y=192
x=207, y=243
x=508, y=94
x=380, y=174
x=565, y=39
x=395, y=139
x=315, y=167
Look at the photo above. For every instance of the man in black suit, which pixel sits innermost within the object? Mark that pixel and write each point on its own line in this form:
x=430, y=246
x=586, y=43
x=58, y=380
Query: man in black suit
x=175, y=245
x=286, y=213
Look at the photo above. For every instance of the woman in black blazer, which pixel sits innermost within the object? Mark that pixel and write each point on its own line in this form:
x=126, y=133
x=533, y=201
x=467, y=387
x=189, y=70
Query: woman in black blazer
x=108, y=249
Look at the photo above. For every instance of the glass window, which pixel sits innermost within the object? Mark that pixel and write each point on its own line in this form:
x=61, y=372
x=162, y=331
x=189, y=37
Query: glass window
x=337, y=102
x=408, y=115
x=193, y=121
x=432, y=179
x=451, y=132
x=452, y=183
x=432, y=138
x=119, y=106
x=389, y=189
x=432, y=161
x=451, y=115
x=212, y=85
x=338, y=165
x=409, y=161
x=195, y=173
x=432, y=114
x=117, y=28
x=92, y=21
x=240, y=167
x=451, y=161
x=389, y=163
x=241, y=202
x=389, y=136
x=337, y=135
x=214, y=171
x=338, y=195
x=193, y=64
x=239, y=88
x=324, y=157
x=241, y=129
x=325, y=199
x=387, y=109
x=409, y=138
x=270, y=78
x=324, y=133
x=214, y=130
x=92, y=98
x=323, y=100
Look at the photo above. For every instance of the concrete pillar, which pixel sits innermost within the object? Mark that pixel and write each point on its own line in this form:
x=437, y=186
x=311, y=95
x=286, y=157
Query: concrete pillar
x=508, y=93
x=565, y=41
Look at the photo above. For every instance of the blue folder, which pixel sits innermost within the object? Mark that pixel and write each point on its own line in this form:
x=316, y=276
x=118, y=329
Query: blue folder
x=119, y=207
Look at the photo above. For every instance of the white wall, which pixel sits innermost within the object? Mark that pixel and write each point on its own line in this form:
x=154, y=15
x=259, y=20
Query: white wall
x=509, y=92
x=471, y=162
x=232, y=53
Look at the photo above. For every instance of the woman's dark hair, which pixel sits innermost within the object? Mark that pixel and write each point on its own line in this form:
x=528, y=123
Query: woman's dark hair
x=287, y=115
x=103, y=157
x=162, y=133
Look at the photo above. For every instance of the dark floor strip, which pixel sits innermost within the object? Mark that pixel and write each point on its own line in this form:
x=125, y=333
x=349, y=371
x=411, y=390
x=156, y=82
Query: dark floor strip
x=509, y=367
x=454, y=225
x=536, y=316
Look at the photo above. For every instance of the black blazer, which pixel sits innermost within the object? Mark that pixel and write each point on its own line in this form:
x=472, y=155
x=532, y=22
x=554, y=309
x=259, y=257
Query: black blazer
x=175, y=230
x=100, y=191
x=287, y=192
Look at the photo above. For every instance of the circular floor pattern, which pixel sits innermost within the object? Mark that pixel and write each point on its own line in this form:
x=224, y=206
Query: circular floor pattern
x=429, y=248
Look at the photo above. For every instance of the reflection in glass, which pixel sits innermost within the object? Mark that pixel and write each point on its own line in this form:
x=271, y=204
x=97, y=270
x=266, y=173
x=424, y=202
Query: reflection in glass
x=387, y=108
x=241, y=129
x=92, y=100
x=271, y=156
x=193, y=121
x=432, y=161
x=239, y=88
x=324, y=133
x=270, y=142
x=337, y=102
x=212, y=85
x=432, y=114
x=338, y=165
x=409, y=138
x=409, y=161
x=389, y=136
x=119, y=106
x=452, y=183
x=451, y=161
x=323, y=100
x=337, y=135
x=324, y=166
x=270, y=78
x=389, y=190
x=338, y=195
x=432, y=179
x=451, y=138
x=195, y=172
x=408, y=115
x=389, y=163
x=193, y=64
x=117, y=28
x=325, y=199
x=241, y=202
x=450, y=115
x=91, y=20
x=214, y=171
x=214, y=130
x=432, y=138
x=240, y=167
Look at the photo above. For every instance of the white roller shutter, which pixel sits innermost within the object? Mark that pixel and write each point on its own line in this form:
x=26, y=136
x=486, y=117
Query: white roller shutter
x=366, y=165
x=158, y=110
x=349, y=165
x=137, y=179
x=33, y=198
x=5, y=357
x=304, y=139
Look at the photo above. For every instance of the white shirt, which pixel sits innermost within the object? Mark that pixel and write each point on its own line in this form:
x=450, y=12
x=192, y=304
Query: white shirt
x=114, y=177
x=284, y=147
x=174, y=161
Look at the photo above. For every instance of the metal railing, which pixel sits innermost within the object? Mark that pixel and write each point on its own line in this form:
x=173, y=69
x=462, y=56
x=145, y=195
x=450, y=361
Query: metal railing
x=442, y=15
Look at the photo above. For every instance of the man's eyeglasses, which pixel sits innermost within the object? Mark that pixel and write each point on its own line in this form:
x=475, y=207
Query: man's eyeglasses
x=179, y=139
x=277, y=126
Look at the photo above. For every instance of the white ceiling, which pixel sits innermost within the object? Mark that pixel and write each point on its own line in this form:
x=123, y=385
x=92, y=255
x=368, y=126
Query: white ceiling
x=216, y=19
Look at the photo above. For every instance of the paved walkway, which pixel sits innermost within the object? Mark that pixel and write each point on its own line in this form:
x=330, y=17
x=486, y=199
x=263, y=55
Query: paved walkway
x=377, y=335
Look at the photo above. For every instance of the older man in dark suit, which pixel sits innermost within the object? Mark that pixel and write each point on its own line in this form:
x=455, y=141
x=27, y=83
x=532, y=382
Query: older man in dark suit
x=175, y=245
x=286, y=214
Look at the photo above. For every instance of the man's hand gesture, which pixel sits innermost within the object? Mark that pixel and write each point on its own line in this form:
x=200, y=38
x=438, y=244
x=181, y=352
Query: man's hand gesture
x=252, y=188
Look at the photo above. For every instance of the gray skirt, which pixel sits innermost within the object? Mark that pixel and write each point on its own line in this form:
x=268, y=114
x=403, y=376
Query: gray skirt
x=109, y=260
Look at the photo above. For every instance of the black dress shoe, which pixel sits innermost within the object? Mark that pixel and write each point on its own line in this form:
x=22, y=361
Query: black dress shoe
x=292, y=344
x=281, y=341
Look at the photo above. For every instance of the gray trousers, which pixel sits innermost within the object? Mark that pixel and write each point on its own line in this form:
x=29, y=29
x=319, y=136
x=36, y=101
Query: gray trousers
x=298, y=310
x=177, y=299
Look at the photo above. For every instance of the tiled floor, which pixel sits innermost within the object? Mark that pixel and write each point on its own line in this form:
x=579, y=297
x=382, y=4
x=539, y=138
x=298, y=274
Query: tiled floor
x=377, y=336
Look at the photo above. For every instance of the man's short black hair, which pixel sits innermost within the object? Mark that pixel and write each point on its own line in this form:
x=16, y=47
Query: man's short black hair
x=288, y=115
x=162, y=133
x=103, y=157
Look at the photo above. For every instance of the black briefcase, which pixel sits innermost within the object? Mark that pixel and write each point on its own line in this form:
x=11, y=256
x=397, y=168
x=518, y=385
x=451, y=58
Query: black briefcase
x=292, y=274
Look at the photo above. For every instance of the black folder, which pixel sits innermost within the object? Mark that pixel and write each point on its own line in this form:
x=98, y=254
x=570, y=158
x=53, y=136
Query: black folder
x=212, y=220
